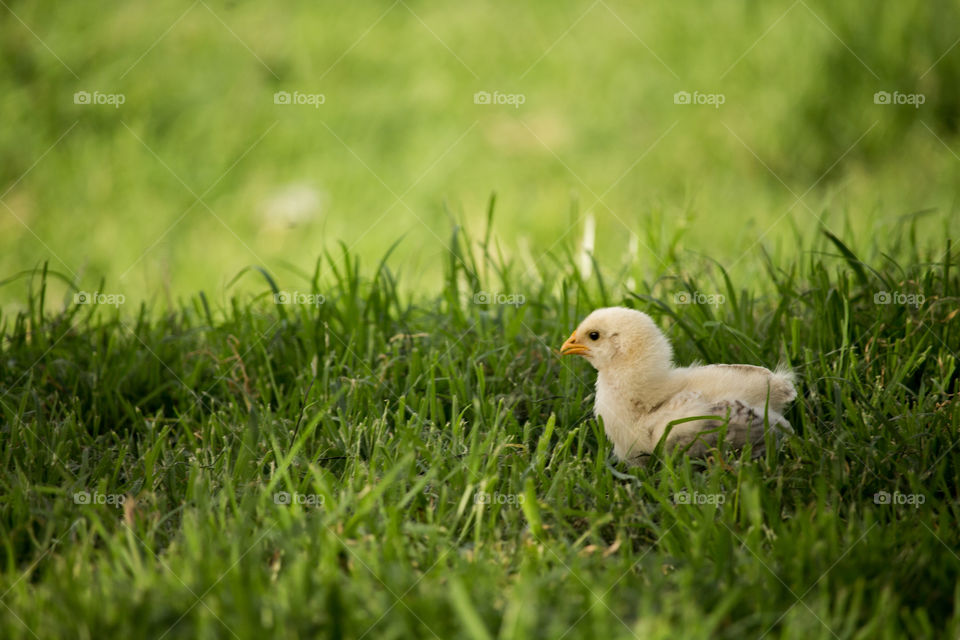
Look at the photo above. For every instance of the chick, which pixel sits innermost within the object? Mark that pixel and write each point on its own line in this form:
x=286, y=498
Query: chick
x=640, y=391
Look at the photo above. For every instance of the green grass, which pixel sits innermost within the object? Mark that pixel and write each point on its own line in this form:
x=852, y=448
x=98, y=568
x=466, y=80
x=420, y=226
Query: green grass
x=393, y=411
x=99, y=191
x=453, y=479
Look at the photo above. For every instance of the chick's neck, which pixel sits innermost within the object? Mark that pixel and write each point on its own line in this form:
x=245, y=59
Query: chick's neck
x=645, y=386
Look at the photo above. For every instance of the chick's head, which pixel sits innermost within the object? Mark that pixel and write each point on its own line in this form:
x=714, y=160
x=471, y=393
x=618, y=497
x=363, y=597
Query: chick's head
x=615, y=337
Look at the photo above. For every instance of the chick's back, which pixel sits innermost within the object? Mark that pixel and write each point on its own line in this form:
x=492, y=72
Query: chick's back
x=741, y=382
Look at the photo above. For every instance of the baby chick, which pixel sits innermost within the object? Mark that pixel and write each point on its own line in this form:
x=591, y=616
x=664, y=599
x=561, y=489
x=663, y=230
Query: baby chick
x=640, y=391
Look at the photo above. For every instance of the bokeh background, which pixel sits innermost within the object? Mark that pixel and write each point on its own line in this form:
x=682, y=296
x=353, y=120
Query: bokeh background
x=204, y=169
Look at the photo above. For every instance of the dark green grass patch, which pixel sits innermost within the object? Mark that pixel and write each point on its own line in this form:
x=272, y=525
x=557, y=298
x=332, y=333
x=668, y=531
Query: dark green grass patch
x=364, y=462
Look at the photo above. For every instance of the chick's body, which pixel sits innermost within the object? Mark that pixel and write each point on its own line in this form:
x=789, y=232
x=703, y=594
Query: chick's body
x=640, y=392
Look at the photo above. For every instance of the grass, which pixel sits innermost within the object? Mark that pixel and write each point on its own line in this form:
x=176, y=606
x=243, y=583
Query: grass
x=104, y=191
x=229, y=444
x=444, y=475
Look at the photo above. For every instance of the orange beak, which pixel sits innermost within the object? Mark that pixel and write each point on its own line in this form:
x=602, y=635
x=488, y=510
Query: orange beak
x=573, y=348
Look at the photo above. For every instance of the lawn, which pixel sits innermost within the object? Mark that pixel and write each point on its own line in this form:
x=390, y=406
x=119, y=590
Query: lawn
x=200, y=171
x=375, y=466
x=281, y=293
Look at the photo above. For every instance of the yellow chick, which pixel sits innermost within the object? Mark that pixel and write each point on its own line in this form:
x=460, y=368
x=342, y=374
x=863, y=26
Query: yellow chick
x=640, y=391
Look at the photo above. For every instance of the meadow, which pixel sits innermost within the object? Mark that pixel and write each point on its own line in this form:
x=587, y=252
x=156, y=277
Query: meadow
x=281, y=292
x=374, y=466
x=203, y=169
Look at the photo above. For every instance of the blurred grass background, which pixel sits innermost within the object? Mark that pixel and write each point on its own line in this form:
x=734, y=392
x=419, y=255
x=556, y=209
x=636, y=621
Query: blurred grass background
x=200, y=173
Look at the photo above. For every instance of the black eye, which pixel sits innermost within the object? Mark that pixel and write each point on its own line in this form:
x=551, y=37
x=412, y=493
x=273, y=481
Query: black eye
x=594, y=335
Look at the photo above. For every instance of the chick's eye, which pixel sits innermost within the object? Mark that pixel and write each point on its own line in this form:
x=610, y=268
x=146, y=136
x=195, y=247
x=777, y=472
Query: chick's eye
x=594, y=335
